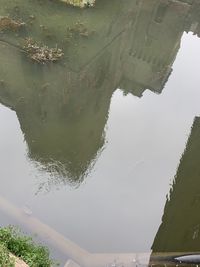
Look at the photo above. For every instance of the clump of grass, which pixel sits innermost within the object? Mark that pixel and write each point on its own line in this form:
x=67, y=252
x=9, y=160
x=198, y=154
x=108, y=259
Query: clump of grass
x=23, y=247
x=5, y=259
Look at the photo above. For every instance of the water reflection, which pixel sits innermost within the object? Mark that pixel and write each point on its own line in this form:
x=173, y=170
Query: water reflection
x=179, y=231
x=63, y=108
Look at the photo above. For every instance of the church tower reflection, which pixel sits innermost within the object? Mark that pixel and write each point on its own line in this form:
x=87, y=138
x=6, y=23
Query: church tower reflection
x=63, y=108
x=180, y=228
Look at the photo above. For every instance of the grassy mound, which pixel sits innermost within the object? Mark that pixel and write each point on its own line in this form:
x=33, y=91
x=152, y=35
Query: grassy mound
x=5, y=259
x=12, y=240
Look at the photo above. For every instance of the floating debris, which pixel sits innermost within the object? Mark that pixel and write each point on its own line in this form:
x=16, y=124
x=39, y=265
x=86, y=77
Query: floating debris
x=80, y=3
x=7, y=23
x=42, y=53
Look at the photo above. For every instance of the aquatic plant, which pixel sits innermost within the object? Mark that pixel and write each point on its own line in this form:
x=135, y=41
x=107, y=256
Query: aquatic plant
x=80, y=3
x=77, y=30
x=6, y=23
x=12, y=240
x=42, y=53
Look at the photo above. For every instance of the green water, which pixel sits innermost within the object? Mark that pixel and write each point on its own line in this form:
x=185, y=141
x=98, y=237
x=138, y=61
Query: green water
x=102, y=143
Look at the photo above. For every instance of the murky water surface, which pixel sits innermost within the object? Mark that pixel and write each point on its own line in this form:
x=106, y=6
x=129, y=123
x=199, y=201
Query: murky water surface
x=103, y=145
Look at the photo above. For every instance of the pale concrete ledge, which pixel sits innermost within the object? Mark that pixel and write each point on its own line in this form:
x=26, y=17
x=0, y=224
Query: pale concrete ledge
x=71, y=263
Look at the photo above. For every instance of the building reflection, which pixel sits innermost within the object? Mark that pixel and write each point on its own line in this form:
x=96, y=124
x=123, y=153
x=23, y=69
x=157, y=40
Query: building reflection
x=63, y=108
x=180, y=227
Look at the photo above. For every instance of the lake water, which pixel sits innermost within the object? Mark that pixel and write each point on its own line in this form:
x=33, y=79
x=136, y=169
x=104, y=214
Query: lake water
x=103, y=147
